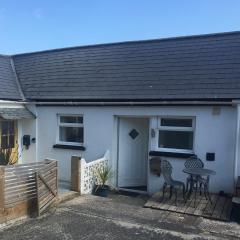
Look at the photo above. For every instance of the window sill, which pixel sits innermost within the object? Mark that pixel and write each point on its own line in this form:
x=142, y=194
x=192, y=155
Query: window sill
x=171, y=154
x=64, y=146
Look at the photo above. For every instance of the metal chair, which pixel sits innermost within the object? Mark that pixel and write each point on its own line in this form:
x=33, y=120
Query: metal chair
x=193, y=162
x=166, y=169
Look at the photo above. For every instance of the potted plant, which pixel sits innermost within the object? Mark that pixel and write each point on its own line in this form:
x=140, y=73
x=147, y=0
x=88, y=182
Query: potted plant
x=102, y=175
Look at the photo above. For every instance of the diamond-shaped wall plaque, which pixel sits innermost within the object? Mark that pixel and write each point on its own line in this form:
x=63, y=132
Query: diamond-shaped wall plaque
x=133, y=134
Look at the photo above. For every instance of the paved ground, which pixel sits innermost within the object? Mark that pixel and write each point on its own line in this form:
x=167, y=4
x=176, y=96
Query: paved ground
x=117, y=217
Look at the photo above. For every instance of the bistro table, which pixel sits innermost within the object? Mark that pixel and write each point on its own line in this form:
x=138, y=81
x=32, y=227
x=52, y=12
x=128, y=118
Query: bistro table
x=197, y=173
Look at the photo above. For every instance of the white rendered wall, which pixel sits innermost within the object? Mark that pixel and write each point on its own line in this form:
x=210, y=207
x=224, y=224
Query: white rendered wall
x=214, y=133
x=27, y=127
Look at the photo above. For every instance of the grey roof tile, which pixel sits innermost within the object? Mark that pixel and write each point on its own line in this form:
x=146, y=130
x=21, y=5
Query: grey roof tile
x=8, y=85
x=198, y=67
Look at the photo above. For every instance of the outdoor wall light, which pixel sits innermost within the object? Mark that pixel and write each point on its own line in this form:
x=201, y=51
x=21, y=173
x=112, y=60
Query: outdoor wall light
x=153, y=133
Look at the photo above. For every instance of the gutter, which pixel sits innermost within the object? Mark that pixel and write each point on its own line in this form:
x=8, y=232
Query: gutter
x=124, y=103
x=236, y=101
x=140, y=103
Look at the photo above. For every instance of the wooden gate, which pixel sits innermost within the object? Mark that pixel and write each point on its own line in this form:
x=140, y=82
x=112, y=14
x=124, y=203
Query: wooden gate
x=47, y=185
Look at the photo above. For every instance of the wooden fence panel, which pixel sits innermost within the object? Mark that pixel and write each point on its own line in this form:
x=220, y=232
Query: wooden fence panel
x=20, y=183
x=21, y=191
x=47, y=186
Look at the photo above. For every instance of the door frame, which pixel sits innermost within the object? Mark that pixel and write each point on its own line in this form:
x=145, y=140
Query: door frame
x=117, y=152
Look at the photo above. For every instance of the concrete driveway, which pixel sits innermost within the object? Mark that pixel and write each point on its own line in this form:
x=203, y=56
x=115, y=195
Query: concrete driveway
x=116, y=217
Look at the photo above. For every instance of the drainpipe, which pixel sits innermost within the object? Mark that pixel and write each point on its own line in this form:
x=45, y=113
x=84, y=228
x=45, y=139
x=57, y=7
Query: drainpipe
x=237, y=145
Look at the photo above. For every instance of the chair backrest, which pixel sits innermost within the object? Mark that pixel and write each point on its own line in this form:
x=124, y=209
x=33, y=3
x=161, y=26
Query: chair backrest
x=166, y=169
x=194, y=162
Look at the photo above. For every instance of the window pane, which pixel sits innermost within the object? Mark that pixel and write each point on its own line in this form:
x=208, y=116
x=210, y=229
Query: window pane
x=4, y=128
x=11, y=127
x=71, y=134
x=172, y=122
x=175, y=139
x=11, y=141
x=71, y=119
x=7, y=138
x=4, y=142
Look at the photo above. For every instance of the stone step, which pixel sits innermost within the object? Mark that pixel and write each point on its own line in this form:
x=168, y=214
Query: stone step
x=66, y=196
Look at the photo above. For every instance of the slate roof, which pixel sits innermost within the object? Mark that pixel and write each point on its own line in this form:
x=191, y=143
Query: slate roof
x=8, y=85
x=184, y=68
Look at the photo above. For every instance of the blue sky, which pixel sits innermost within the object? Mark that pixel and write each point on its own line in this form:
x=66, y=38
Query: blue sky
x=31, y=25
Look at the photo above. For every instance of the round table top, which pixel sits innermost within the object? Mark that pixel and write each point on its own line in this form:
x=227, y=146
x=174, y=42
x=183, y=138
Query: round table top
x=199, y=171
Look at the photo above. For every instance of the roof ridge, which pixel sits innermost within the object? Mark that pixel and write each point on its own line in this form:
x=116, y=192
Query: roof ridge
x=5, y=55
x=17, y=80
x=132, y=42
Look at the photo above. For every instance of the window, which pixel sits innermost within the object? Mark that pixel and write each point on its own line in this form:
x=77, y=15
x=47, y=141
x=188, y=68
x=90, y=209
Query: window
x=176, y=134
x=70, y=130
x=7, y=134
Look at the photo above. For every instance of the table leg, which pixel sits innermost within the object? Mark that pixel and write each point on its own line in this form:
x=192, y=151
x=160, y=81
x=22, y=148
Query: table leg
x=190, y=189
x=208, y=194
x=195, y=194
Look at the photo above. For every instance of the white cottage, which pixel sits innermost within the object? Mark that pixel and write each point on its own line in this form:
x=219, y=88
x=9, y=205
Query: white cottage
x=170, y=97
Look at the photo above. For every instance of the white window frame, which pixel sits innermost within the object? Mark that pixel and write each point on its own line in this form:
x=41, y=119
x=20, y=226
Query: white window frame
x=172, y=128
x=59, y=124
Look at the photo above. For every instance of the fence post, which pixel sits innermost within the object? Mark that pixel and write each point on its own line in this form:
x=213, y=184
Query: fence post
x=75, y=173
x=37, y=193
x=2, y=188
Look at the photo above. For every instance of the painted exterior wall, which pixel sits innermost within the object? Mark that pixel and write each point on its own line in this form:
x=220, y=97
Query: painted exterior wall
x=214, y=133
x=28, y=127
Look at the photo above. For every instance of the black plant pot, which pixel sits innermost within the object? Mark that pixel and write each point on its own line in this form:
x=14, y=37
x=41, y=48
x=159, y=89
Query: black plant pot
x=101, y=191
